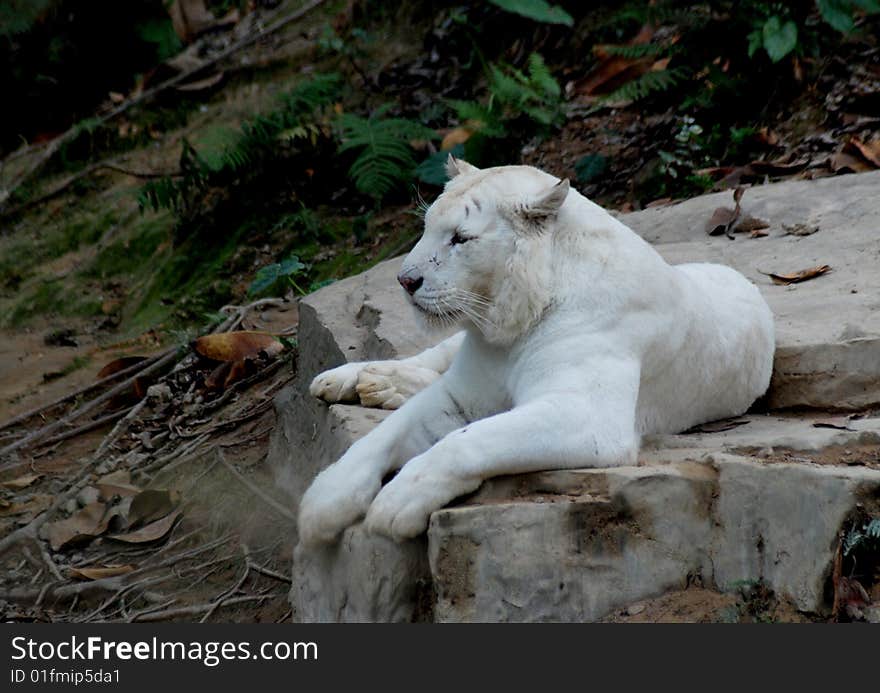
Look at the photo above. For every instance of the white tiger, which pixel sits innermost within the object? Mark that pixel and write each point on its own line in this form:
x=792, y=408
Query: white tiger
x=578, y=338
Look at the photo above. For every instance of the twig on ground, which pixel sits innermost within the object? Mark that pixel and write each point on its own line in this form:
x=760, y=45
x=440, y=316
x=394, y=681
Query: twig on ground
x=197, y=609
x=253, y=488
x=84, y=428
x=88, y=407
x=131, y=370
x=117, y=429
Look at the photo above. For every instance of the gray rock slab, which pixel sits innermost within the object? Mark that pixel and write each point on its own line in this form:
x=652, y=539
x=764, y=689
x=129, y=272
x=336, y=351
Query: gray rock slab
x=792, y=431
x=362, y=579
x=576, y=545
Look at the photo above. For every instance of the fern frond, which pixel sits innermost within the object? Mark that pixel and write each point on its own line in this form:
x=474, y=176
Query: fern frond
x=647, y=84
x=541, y=78
x=633, y=52
x=385, y=158
x=483, y=117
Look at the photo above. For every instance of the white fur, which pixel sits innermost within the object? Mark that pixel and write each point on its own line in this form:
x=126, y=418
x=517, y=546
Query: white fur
x=578, y=339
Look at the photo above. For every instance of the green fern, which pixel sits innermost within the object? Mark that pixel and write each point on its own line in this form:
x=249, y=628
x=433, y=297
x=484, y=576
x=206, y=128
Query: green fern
x=512, y=93
x=385, y=156
x=223, y=154
x=639, y=50
x=538, y=10
x=647, y=84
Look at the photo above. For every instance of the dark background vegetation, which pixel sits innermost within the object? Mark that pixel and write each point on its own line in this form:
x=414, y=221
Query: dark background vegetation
x=301, y=155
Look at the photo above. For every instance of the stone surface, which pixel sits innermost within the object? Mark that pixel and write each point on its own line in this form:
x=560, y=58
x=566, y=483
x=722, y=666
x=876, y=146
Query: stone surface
x=362, y=579
x=710, y=507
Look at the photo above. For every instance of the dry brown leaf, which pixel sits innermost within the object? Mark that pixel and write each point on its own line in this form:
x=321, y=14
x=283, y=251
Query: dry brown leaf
x=457, y=136
x=189, y=18
x=841, y=162
x=235, y=346
x=21, y=482
x=869, y=150
x=151, y=532
x=99, y=573
x=718, y=426
x=750, y=224
x=796, y=277
x=116, y=484
x=150, y=505
x=119, y=364
x=615, y=70
x=89, y=522
x=800, y=229
x=723, y=218
x=33, y=505
x=852, y=596
x=840, y=422
x=202, y=84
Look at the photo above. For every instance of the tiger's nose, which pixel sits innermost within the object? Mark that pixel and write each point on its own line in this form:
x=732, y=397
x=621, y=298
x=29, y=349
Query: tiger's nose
x=411, y=284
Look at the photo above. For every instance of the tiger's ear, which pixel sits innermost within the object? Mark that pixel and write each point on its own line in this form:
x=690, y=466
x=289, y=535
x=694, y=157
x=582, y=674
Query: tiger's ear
x=456, y=167
x=533, y=213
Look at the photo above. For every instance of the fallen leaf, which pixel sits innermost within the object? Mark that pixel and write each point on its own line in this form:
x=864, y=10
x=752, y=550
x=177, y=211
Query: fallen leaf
x=778, y=167
x=723, y=218
x=91, y=521
x=840, y=423
x=768, y=137
x=748, y=223
x=116, y=484
x=800, y=229
x=21, y=482
x=202, y=84
x=150, y=505
x=456, y=136
x=869, y=150
x=119, y=364
x=718, y=426
x=852, y=596
x=99, y=573
x=235, y=346
x=150, y=532
x=841, y=162
x=796, y=277
x=615, y=70
x=33, y=505
x=190, y=18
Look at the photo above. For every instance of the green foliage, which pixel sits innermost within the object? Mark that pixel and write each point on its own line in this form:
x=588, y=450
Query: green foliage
x=539, y=10
x=590, y=167
x=160, y=33
x=647, y=84
x=534, y=93
x=514, y=94
x=271, y=276
x=778, y=38
x=637, y=50
x=19, y=16
x=433, y=169
x=839, y=14
x=865, y=537
x=384, y=153
x=226, y=153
